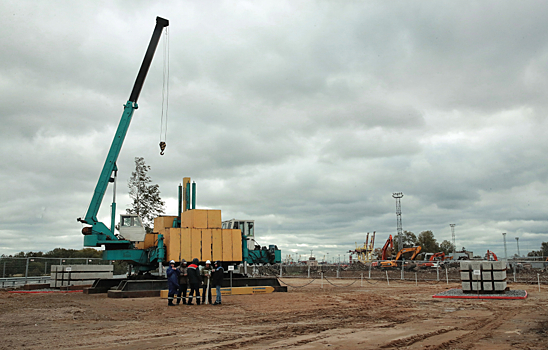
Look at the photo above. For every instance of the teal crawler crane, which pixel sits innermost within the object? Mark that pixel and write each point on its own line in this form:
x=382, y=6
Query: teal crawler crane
x=98, y=234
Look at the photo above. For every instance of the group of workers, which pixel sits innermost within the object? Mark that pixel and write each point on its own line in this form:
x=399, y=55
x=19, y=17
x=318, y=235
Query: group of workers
x=180, y=278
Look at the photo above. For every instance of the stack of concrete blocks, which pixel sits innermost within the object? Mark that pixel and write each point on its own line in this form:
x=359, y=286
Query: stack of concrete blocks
x=78, y=275
x=483, y=276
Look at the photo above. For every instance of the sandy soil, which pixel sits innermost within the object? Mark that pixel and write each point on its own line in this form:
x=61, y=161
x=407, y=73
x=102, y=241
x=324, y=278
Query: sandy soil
x=375, y=316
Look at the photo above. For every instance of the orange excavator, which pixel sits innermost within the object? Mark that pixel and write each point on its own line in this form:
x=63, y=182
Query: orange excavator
x=407, y=253
x=384, y=251
x=491, y=256
x=433, y=260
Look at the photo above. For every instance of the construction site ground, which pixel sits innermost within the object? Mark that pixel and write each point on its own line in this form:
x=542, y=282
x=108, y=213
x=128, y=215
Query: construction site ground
x=373, y=316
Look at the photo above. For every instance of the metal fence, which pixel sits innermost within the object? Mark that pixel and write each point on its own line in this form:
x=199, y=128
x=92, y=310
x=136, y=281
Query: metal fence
x=40, y=266
x=517, y=272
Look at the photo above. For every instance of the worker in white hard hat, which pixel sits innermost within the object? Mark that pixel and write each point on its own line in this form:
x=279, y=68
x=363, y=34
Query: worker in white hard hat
x=172, y=282
x=206, y=276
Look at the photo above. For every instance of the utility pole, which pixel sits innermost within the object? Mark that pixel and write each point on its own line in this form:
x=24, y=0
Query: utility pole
x=517, y=242
x=398, y=196
x=505, y=251
x=453, y=238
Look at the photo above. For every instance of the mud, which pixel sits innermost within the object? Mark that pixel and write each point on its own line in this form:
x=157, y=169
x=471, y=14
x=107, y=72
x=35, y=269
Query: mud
x=373, y=316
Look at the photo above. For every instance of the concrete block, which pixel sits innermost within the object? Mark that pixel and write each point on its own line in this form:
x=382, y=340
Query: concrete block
x=476, y=285
x=486, y=275
x=475, y=265
x=464, y=265
x=499, y=265
x=83, y=268
x=488, y=286
x=500, y=286
x=82, y=275
x=486, y=265
x=466, y=286
x=475, y=276
x=499, y=275
x=465, y=275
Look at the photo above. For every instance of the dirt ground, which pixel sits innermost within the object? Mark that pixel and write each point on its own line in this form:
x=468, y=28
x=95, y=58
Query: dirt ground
x=375, y=316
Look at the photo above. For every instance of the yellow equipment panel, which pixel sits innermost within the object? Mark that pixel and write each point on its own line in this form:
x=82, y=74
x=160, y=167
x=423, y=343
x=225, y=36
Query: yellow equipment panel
x=206, y=244
x=196, y=248
x=200, y=218
x=186, y=244
x=227, y=245
x=150, y=240
x=236, y=245
x=217, y=244
x=174, y=251
x=162, y=222
x=213, y=219
x=165, y=233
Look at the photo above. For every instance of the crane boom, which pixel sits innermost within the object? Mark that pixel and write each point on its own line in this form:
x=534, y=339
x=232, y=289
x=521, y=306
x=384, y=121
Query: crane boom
x=99, y=234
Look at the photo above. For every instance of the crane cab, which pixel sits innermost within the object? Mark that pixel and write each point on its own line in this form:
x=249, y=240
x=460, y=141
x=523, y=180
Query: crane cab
x=131, y=227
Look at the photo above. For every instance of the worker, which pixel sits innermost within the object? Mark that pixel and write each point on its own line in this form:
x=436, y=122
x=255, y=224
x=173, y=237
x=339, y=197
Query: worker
x=217, y=281
x=183, y=281
x=206, y=275
x=172, y=282
x=194, y=280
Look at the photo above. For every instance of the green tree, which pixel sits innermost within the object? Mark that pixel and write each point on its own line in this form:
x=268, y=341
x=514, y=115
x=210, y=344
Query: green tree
x=447, y=247
x=145, y=195
x=428, y=243
x=409, y=239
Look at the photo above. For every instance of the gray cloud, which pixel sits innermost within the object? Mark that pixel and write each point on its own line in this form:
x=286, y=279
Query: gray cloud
x=303, y=116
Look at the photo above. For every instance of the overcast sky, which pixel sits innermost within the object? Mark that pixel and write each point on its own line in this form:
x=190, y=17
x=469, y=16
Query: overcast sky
x=304, y=116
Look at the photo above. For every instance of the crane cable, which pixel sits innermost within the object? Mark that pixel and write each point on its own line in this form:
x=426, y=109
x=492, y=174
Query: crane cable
x=165, y=95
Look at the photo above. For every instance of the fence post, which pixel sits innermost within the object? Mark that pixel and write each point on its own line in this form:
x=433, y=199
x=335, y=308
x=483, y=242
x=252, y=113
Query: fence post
x=438, y=273
x=515, y=265
x=322, y=279
x=446, y=276
x=46, y=267
x=402, y=263
x=308, y=271
x=370, y=270
x=387, y=281
x=27, y=271
x=538, y=280
x=280, y=270
x=61, y=261
x=338, y=267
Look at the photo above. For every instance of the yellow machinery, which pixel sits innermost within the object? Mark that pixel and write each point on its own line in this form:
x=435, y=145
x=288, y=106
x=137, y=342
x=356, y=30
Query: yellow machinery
x=365, y=252
x=199, y=235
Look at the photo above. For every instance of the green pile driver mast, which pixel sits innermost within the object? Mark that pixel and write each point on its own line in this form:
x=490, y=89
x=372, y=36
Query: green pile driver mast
x=98, y=234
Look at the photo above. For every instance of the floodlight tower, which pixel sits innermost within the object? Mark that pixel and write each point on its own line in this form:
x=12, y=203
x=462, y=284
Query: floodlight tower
x=398, y=196
x=517, y=242
x=505, y=251
x=453, y=238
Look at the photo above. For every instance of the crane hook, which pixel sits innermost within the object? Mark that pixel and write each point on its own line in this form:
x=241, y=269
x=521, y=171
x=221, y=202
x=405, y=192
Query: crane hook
x=162, y=147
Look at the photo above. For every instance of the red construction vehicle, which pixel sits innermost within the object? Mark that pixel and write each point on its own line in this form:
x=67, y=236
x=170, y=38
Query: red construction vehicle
x=384, y=252
x=434, y=260
x=491, y=256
